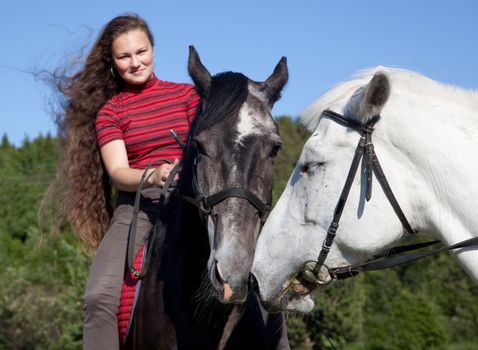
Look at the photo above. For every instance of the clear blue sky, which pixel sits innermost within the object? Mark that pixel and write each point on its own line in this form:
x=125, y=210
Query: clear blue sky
x=325, y=43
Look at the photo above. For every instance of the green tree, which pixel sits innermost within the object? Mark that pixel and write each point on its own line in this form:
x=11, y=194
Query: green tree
x=41, y=286
x=414, y=323
x=5, y=145
x=293, y=136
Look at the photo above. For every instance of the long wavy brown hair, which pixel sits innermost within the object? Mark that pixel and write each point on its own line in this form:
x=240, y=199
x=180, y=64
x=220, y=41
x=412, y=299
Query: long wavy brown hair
x=81, y=194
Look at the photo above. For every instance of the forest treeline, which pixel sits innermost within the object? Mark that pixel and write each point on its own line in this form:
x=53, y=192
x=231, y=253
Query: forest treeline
x=430, y=304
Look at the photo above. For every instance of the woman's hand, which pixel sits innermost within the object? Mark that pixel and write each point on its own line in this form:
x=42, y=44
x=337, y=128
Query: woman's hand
x=161, y=173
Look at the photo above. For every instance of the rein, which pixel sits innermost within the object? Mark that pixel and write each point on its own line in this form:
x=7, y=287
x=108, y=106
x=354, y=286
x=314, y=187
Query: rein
x=309, y=275
x=134, y=219
x=391, y=259
x=137, y=200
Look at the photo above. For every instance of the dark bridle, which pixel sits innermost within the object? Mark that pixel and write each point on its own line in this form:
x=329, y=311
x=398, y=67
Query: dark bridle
x=205, y=204
x=309, y=275
x=228, y=93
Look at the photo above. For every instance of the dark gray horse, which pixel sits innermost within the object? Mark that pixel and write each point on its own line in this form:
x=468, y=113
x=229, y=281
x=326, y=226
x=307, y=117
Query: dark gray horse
x=196, y=294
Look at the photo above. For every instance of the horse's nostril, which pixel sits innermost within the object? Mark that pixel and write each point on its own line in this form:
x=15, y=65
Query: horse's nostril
x=252, y=283
x=217, y=273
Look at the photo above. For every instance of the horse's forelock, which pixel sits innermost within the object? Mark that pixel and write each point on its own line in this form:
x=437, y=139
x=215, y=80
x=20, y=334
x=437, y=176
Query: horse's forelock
x=336, y=97
x=227, y=94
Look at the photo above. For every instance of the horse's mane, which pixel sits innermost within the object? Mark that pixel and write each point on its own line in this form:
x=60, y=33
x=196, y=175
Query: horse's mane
x=405, y=81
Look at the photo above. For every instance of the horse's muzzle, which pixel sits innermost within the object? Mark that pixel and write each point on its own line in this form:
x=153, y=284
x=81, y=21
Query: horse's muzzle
x=228, y=292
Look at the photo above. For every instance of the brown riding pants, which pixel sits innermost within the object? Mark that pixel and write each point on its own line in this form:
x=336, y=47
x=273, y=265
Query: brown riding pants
x=103, y=290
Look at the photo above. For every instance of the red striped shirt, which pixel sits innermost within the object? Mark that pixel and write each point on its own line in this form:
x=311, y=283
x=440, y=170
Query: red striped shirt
x=142, y=116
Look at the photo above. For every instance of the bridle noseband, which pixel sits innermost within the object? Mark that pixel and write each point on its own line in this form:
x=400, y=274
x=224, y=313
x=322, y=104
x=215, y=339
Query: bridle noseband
x=205, y=204
x=309, y=276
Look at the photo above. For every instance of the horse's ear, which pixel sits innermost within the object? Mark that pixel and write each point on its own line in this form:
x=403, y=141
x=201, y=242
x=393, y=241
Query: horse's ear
x=199, y=74
x=274, y=84
x=370, y=100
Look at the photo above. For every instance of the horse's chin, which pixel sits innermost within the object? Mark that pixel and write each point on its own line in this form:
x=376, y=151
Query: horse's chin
x=298, y=298
x=294, y=298
x=303, y=304
x=291, y=302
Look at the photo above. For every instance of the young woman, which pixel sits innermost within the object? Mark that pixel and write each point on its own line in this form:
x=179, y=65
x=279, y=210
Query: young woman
x=117, y=121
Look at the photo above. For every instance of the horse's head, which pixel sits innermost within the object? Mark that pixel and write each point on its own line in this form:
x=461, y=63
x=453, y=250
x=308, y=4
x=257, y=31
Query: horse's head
x=232, y=146
x=295, y=230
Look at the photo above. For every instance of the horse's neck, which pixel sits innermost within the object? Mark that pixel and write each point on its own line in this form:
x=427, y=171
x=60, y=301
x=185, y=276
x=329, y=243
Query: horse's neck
x=191, y=239
x=437, y=143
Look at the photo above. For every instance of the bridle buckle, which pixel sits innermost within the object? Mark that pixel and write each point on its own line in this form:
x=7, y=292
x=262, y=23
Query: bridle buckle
x=311, y=275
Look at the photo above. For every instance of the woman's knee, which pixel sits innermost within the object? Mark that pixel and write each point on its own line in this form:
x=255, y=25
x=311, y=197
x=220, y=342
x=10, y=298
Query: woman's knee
x=97, y=303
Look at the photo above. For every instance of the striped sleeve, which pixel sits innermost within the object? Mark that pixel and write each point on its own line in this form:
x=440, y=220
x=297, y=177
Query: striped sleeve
x=107, y=126
x=193, y=103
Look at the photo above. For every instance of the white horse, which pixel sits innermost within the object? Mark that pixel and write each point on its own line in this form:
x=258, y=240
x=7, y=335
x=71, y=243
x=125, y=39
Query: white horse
x=427, y=144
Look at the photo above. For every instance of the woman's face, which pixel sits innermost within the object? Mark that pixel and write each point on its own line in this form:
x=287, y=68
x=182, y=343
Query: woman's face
x=133, y=56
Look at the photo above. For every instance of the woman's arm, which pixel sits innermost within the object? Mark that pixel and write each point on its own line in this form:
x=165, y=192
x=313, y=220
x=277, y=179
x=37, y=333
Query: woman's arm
x=125, y=178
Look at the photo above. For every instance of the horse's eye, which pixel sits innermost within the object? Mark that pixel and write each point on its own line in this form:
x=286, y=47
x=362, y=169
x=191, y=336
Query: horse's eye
x=275, y=150
x=308, y=168
x=200, y=149
x=304, y=169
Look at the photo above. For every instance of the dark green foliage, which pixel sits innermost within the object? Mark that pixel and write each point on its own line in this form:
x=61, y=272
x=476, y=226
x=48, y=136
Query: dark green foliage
x=410, y=307
x=25, y=173
x=293, y=137
x=41, y=294
x=430, y=304
x=400, y=319
x=41, y=286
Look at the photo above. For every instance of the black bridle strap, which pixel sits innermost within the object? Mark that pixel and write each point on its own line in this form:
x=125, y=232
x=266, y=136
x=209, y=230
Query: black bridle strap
x=364, y=146
x=218, y=197
x=368, y=159
x=332, y=230
x=377, y=169
x=137, y=201
x=205, y=204
x=169, y=183
x=366, y=128
x=310, y=276
x=395, y=260
x=371, y=164
x=134, y=220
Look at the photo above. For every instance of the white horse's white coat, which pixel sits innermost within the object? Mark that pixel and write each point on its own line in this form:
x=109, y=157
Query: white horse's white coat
x=427, y=143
